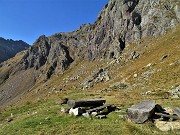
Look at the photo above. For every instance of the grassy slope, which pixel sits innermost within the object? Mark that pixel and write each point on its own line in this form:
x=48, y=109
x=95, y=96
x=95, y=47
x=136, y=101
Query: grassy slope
x=165, y=74
x=46, y=118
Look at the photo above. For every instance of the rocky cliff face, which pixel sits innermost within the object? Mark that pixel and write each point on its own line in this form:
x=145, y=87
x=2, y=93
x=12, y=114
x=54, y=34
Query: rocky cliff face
x=53, y=55
x=9, y=48
x=119, y=23
x=123, y=21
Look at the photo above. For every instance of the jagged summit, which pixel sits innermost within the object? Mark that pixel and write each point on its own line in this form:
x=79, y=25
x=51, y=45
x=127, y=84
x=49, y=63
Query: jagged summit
x=9, y=48
x=119, y=23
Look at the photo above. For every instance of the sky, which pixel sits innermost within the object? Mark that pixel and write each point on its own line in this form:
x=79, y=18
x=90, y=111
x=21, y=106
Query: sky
x=28, y=19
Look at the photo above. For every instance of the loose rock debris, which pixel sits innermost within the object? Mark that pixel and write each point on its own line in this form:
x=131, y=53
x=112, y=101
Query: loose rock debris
x=89, y=108
x=165, y=119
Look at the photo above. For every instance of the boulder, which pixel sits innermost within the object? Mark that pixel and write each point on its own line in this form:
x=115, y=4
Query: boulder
x=141, y=112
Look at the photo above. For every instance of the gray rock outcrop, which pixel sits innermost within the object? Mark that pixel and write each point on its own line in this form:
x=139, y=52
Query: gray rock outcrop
x=119, y=22
x=53, y=55
x=142, y=111
x=123, y=21
x=98, y=76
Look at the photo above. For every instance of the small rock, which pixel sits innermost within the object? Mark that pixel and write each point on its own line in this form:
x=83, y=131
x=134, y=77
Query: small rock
x=171, y=64
x=166, y=126
x=101, y=116
x=47, y=118
x=148, y=65
x=175, y=92
x=134, y=55
x=164, y=57
x=175, y=96
x=87, y=115
x=34, y=113
x=135, y=75
x=118, y=85
x=146, y=93
x=75, y=112
x=9, y=119
x=93, y=114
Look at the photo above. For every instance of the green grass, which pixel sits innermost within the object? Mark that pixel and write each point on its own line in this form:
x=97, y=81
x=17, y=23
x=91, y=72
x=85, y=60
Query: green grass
x=45, y=118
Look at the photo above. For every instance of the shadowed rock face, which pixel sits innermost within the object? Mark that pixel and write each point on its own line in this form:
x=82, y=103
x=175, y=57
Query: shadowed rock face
x=9, y=48
x=51, y=54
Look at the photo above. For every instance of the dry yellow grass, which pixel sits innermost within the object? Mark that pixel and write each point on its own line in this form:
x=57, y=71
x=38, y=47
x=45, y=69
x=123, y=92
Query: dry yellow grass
x=158, y=77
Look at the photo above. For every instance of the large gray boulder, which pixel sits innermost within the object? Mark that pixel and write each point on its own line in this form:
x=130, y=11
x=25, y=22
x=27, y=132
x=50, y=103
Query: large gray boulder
x=141, y=112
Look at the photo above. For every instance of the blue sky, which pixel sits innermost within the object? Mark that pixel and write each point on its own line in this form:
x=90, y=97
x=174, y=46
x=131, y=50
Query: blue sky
x=28, y=19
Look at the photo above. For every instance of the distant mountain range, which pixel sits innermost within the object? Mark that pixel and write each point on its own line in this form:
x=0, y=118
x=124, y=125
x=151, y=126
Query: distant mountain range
x=9, y=48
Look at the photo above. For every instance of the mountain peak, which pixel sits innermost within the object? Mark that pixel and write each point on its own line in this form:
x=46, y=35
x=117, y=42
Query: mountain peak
x=9, y=48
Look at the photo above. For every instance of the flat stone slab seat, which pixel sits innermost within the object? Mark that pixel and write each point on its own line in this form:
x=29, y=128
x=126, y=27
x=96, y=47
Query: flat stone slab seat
x=142, y=111
x=85, y=103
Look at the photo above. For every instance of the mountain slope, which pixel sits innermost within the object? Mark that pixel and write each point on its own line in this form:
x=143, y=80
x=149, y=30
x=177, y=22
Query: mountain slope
x=9, y=48
x=157, y=70
x=82, y=52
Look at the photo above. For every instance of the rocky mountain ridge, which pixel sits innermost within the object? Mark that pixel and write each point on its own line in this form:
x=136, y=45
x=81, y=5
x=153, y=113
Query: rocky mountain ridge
x=119, y=23
x=9, y=48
